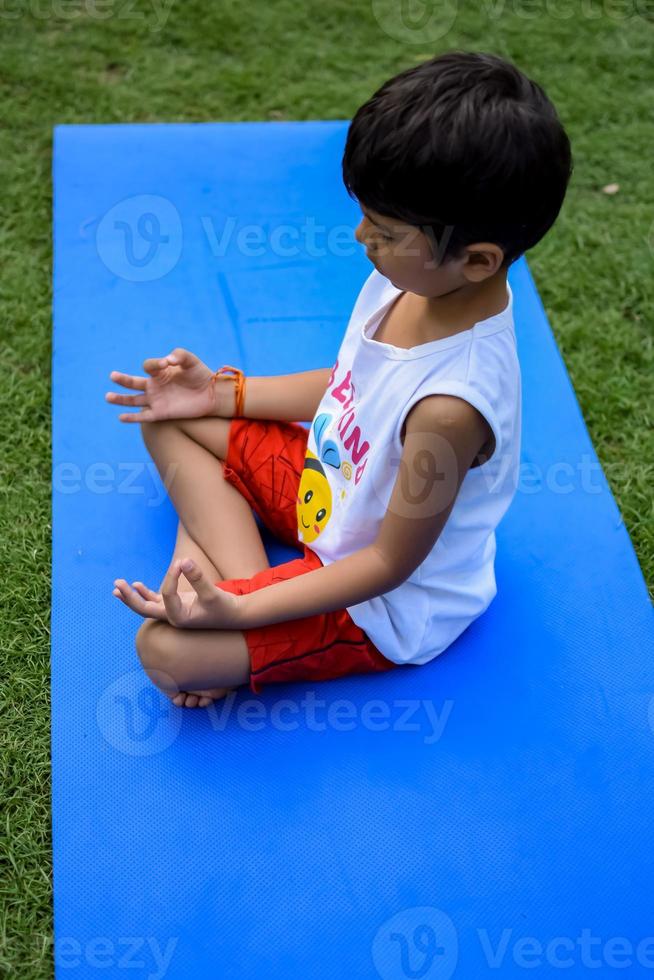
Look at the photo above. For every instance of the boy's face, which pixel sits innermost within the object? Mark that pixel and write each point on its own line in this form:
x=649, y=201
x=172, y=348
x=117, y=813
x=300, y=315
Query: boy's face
x=404, y=255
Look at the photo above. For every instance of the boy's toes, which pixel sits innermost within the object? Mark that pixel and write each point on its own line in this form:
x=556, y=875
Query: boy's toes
x=184, y=700
x=198, y=699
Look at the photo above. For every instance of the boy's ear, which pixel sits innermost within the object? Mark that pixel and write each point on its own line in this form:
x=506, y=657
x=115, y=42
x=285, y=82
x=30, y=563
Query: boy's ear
x=483, y=259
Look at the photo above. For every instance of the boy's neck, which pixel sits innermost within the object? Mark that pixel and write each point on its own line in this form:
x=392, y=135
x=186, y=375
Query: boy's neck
x=461, y=308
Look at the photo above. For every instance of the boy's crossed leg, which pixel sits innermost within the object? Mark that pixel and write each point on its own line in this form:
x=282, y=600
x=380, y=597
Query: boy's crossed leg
x=218, y=530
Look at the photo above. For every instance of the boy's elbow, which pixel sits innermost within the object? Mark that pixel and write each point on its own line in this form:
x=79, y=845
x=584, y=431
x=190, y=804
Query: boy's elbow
x=392, y=571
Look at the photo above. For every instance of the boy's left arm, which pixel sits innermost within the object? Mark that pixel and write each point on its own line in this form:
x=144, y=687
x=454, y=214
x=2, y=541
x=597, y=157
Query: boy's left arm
x=443, y=436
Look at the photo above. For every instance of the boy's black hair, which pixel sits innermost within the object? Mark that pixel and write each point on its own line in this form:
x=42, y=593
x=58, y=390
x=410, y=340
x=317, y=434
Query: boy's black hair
x=466, y=147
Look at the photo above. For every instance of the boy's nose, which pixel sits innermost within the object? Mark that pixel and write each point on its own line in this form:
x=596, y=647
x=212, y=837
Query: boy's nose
x=360, y=232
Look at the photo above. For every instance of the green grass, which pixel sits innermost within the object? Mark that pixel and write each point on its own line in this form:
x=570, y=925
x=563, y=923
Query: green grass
x=232, y=61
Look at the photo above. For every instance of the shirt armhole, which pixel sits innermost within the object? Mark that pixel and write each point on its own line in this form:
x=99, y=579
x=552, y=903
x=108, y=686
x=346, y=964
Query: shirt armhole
x=468, y=394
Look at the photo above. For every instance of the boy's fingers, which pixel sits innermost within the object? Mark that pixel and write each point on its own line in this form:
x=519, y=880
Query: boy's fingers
x=204, y=588
x=128, y=380
x=135, y=601
x=146, y=592
x=177, y=358
x=155, y=364
x=182, y=357
x=170, y=595
x=121, y=586
x=132, y=400
x=146, y=416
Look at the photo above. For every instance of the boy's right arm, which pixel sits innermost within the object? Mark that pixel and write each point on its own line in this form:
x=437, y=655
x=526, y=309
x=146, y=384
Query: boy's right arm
x=284, y=397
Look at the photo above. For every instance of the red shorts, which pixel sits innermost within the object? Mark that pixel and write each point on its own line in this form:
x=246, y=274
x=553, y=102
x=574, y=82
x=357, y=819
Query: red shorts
x=264, y=462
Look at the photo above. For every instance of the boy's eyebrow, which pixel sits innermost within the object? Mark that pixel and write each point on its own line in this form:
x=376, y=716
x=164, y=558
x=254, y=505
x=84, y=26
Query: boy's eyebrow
x=376, y=223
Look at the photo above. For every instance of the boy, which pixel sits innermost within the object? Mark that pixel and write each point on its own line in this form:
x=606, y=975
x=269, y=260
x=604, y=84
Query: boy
x=459, y=165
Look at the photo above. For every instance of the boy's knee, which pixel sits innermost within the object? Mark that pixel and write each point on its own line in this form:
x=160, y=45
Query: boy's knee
x=154, y=650
x=151, y=430
x=149, y=645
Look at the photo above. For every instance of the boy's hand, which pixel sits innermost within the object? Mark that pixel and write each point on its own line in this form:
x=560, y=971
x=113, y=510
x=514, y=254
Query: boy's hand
x=179, y=386
x=207, y=607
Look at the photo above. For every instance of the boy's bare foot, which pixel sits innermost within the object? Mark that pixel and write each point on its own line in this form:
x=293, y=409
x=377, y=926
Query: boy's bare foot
x=199, y=699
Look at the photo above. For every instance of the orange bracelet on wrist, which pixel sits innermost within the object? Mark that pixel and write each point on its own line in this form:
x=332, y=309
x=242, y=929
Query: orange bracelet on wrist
x=239, y=383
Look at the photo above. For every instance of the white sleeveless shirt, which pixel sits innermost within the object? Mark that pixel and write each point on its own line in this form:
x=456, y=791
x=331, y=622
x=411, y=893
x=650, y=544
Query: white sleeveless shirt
x=348, y=477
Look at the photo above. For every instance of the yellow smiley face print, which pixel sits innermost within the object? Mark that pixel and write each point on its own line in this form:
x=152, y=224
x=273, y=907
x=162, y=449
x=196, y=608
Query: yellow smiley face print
x=314, y=500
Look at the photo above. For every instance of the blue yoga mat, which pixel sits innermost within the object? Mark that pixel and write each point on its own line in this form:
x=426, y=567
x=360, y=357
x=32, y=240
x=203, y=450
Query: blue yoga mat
x=485, y=815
